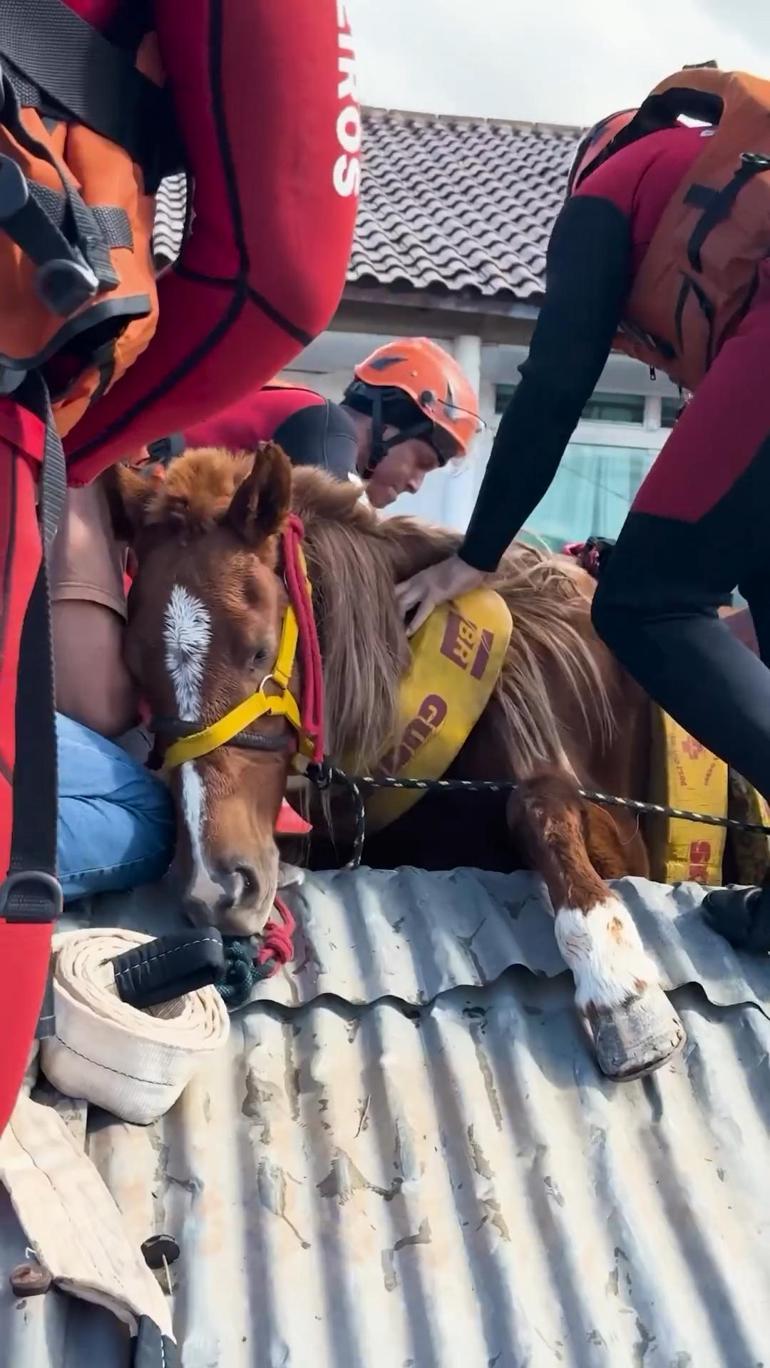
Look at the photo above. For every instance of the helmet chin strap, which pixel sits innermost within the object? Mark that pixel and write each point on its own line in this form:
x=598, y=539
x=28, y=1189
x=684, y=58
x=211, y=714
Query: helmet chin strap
x=381, y=444
x=379, y=447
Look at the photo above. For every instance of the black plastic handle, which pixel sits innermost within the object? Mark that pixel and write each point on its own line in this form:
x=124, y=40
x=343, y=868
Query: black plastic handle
x=169, y=967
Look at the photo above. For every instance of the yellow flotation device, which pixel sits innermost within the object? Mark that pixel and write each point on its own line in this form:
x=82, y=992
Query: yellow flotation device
x=457, y=657
x=686, y=775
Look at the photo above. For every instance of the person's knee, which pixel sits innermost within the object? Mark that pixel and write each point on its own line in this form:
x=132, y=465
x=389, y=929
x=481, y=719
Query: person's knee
x=116, y=822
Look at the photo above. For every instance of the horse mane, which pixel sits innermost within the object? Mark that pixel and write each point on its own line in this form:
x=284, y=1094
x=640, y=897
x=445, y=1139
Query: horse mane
x=355, y=559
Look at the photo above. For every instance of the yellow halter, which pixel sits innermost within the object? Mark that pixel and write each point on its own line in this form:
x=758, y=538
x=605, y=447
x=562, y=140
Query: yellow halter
x=282, y=703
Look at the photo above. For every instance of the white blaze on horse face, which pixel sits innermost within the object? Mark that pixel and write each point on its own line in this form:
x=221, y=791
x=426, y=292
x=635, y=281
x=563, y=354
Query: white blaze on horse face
x=604, y=950
x=186, y=635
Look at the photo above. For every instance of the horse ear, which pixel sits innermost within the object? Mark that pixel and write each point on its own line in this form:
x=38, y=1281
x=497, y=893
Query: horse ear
x=129, y=493
x=259, y=507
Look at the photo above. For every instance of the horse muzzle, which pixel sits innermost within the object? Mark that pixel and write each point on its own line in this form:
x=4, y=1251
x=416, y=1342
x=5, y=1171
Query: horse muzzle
x=236, y=897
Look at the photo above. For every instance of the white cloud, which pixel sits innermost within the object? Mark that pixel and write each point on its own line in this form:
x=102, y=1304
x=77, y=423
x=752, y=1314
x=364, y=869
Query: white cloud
x=559, y=61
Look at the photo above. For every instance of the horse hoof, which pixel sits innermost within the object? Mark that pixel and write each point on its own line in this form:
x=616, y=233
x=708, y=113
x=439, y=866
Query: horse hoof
x=637, y=1038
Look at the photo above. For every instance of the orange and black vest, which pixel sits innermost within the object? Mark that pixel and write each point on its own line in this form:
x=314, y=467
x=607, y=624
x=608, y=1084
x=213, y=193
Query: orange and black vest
x=86, y=132
x=699, y=274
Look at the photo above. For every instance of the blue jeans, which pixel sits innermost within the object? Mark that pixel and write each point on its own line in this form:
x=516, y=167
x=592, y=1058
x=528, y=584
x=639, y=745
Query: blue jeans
x=116, y=819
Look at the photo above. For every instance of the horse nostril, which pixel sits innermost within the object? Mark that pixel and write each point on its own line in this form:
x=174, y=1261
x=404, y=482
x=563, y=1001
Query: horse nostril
x=239, y=884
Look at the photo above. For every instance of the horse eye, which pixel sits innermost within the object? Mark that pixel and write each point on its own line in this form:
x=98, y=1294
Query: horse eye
x=259, y=656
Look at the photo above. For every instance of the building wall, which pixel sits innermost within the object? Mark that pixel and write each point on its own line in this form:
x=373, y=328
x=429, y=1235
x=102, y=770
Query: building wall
x=602, y=467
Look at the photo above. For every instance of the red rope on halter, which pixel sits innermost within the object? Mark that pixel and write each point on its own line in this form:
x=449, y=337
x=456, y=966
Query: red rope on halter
x=312, y=698
x=278, y=938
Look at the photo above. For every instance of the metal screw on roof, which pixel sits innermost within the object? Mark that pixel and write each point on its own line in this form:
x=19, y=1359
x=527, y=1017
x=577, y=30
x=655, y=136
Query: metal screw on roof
x=160, y=1250
x=29, y=1280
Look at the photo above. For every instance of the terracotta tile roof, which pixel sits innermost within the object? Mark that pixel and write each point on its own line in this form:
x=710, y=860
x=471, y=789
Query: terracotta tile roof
x=450, y=204
x=458, y=204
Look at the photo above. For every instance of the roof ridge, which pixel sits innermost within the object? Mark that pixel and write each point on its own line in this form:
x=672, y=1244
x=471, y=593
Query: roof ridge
x=452, y=120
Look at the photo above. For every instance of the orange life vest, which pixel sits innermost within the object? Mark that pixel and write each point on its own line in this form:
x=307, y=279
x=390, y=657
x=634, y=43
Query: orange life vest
x=699, y=274
x=80, y=160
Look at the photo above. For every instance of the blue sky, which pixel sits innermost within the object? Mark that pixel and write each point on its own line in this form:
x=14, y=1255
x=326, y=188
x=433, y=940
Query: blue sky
x=559, y=61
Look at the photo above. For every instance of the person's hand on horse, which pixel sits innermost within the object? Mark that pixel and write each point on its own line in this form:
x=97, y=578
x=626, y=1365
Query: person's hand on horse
x=428, y=588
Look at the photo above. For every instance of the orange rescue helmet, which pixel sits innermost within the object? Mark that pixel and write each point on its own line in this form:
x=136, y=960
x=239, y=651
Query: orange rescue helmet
x=594, y=144
x=414, y=373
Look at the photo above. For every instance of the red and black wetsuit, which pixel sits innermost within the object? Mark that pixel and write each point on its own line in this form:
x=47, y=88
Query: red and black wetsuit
x=699, y=525
x=312, y=430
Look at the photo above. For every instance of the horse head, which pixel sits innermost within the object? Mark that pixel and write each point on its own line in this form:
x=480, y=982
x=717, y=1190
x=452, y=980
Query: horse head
x=206, y=612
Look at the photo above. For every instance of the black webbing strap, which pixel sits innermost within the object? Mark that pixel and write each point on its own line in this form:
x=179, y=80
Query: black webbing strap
x=53, y=477
x=111, y=220
x=74, y=243
x=31, y=892
x=94, y=81
x=169, y=967
x=152, y=1349
x=164, y=449
x=717, y=205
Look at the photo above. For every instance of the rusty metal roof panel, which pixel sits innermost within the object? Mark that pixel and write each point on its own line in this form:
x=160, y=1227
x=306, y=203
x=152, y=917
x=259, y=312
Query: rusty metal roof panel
x=404, y=933
x=447, y=1183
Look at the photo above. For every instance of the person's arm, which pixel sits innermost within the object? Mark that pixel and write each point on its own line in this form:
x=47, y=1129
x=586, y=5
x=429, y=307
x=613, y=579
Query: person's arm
x=320, y=435
x=587, y=282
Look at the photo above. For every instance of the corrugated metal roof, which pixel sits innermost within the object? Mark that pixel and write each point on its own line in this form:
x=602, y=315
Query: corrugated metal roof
x=403, y=933
x=434, y=1173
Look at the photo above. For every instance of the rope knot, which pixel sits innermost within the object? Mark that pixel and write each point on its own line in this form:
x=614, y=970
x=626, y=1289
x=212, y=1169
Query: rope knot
x=243, y=970
x=278, y=939
x=320, y=773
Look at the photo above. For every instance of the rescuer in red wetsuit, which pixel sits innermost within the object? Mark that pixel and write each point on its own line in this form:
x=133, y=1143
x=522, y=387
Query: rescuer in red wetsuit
x=698, y=526
x=408, y=410
x=273, y=157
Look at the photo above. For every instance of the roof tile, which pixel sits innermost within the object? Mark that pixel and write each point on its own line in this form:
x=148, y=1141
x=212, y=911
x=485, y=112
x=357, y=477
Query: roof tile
x=447, y=203
x=457, y=204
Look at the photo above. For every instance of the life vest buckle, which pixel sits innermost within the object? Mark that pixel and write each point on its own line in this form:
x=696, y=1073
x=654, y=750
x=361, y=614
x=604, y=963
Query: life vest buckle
x=31, y=895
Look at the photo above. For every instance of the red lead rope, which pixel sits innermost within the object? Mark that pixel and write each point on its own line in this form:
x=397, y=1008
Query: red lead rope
x=312, y=700
x=278, y=938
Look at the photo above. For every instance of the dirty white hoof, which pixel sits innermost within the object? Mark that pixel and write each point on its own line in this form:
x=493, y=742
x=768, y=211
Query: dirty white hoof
x=638, y=1037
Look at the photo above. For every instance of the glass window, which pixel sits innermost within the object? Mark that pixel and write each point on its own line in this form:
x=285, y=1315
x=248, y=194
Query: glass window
x=614, y=408
x=670, y=410
x=591, y=495
x=503, y=397
x=601, y=408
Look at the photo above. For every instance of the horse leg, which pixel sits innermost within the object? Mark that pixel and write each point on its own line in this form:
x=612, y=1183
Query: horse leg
x=615, y=844
x=632, y=1025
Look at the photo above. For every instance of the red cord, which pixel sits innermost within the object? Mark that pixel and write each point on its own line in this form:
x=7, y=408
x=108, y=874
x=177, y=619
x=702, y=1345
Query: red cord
x=278, y=938
x=312, y=704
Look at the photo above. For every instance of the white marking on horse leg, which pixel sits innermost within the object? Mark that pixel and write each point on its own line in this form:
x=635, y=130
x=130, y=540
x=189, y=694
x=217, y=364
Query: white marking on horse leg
x=186, y=635
x=604, y=950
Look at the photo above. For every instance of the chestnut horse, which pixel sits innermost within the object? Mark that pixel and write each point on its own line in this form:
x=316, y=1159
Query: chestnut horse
x=205, y=616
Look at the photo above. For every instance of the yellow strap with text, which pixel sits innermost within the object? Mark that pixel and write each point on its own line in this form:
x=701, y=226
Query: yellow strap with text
x=457, y=657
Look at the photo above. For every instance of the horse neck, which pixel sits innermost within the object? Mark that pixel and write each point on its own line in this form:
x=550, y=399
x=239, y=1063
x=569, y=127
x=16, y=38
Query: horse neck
x=365, y=652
